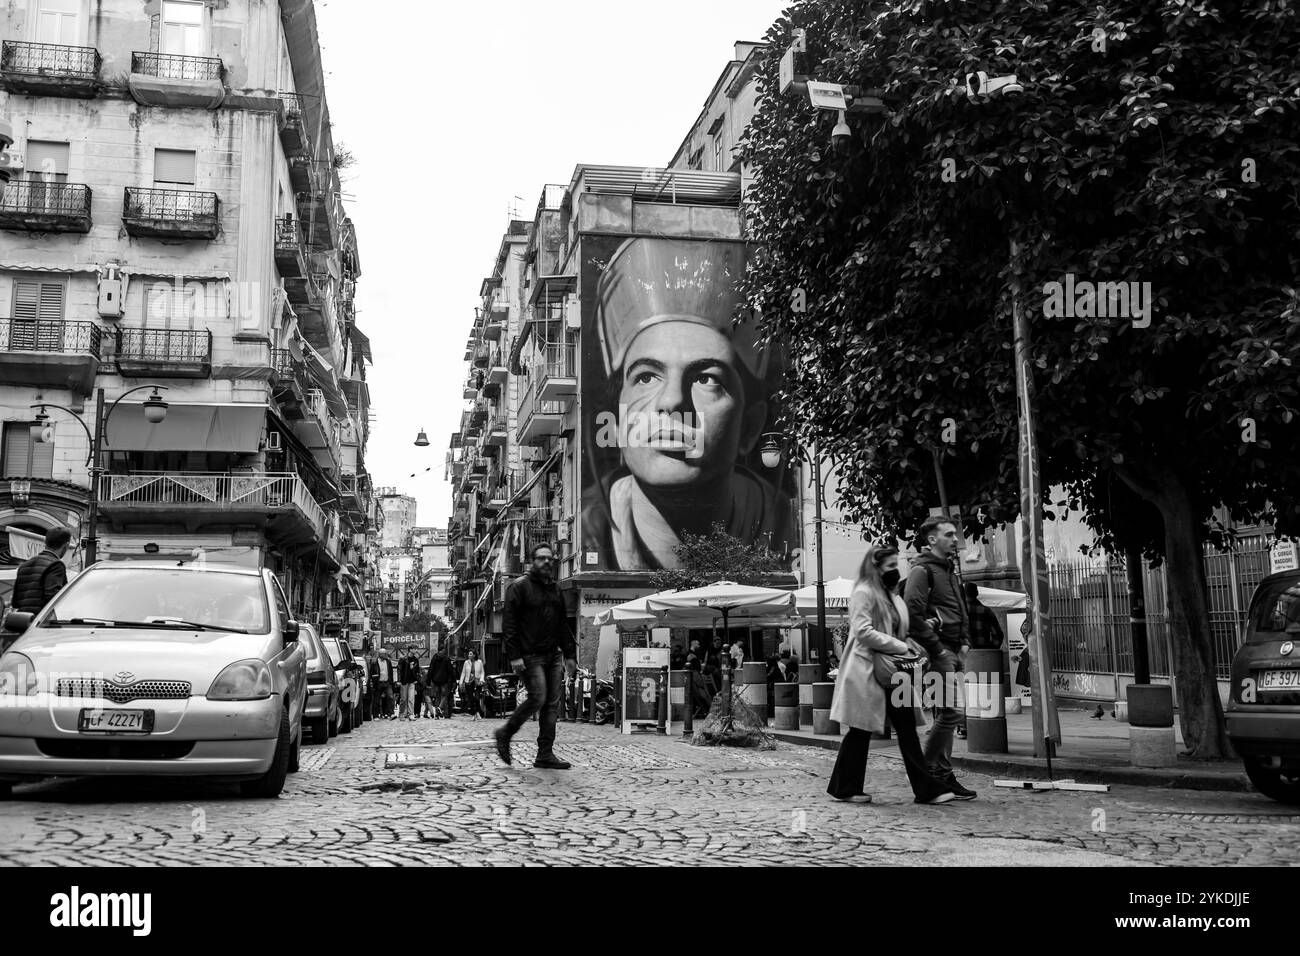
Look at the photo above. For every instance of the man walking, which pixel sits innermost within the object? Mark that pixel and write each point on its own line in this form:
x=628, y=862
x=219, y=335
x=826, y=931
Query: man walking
x=386, y=677
x=541, y=647
x=41, y=577
x=440, y=680
x=409, y=675
x=940, y=623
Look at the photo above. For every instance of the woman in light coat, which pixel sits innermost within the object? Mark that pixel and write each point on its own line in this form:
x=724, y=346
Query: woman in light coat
x=877, y=625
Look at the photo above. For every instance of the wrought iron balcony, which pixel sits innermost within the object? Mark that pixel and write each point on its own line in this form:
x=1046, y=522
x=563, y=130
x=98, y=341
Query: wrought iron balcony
x=171, y=213
x=283, y=366
x=556, y=372
x=50, y=68
x=293, y=126
x=164, y=353
x=41, y=206
x=289, y=247
x=171, y=66
x=53, y=354
x=539, y=419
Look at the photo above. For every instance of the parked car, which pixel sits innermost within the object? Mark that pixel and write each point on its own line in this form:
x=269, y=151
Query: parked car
x=7, y=576
x=351, y=676
x=323, y=714
x=1264, y=703
x=153, y=669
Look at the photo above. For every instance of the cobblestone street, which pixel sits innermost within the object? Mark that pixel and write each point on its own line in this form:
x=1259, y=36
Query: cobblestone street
x=434, y=793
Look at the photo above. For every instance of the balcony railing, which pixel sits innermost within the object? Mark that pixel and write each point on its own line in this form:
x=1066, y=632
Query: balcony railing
x=186, y=352
x=170, y=66
x=282, y=365
x=41, y=335
x=50, y=59
x=47, y=206
x=292, y=105
x=218, y=492
x=170, y=212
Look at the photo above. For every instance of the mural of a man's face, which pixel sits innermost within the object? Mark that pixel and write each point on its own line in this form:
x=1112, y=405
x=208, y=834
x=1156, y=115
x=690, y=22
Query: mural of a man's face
x=683, y=382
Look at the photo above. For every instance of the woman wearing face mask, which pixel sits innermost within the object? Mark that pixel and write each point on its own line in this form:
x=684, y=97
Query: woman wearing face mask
x=877, y=625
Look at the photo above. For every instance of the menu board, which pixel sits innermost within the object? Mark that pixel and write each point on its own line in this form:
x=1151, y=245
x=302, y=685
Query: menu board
x=642, y=669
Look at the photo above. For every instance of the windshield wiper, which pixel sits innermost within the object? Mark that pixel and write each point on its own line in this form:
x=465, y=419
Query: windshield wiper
x=177, y=622
x=102, y=622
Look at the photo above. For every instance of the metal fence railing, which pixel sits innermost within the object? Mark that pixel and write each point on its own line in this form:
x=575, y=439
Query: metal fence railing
x=39, y=198
x=1090, y=627
x=49, y=335
x=165, y=345
x=171, y=66
x=54, y=59
x=270, y=490
x=169, y=205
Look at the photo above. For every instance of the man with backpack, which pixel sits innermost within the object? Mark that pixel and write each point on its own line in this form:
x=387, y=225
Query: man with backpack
x=41, y=577
x=940, y=622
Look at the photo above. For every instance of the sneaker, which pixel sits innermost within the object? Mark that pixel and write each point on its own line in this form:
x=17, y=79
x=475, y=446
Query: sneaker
x=856, y=798
x=551, y=763
x=958, y=791
x=503, y=747
x=946, y=797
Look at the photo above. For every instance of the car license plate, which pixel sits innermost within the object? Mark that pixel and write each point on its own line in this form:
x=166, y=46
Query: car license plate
x=1279, y=680
x=115, y=721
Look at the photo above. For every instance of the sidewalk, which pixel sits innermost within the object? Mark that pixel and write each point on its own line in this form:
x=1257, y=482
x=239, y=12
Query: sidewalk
x=1091, y=751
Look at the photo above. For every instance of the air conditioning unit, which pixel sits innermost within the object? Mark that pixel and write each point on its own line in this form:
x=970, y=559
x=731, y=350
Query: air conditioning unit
x=573, y=312
x=273, y=441
x=112, y=293
x=562, y=531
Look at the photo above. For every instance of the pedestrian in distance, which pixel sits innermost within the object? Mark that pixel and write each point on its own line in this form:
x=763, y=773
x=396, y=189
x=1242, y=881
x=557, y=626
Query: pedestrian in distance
x=878, y=625
x=386, y=675
x=541, y=649
x=471, y=683
x=441, y=680
x=43, y=575
x=409, y=675
x=940, y=623
x=737, y=657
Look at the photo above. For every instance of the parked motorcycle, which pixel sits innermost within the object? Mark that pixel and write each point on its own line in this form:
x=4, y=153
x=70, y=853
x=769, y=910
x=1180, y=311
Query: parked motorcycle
x=500, y=695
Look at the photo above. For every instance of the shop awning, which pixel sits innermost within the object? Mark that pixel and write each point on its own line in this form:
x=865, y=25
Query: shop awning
x=192, y=427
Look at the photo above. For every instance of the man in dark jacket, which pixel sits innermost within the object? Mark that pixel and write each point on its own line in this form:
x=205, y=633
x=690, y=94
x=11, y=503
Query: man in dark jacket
x=43, y=576
x=408, y=674
x=440, y=684
x=541, y=647
x=939, y=622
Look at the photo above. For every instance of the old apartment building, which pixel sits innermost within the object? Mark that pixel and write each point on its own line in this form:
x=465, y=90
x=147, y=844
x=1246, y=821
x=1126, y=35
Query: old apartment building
x=177, y=230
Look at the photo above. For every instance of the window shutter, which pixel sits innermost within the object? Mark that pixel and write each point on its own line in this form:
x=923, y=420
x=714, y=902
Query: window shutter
x=174, y=166
x=24, y=458
x=46, y=158
x=34, y=299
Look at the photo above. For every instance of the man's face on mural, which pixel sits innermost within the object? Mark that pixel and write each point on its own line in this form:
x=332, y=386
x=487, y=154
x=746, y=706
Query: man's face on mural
x=682, y=388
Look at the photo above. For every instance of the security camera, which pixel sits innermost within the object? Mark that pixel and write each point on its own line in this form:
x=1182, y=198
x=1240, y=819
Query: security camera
x=841, y=135
x=981, y=84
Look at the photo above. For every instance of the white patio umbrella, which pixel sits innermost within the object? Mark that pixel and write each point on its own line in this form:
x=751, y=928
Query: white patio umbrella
x=726, y=598
x=629, y=612
x=837, y=598
x=995, y=597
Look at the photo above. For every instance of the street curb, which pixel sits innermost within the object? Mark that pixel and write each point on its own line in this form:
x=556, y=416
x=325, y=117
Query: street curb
x=1034, y=769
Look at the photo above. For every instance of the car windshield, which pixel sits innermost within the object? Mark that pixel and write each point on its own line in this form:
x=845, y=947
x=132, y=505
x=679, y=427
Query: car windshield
x=1275, y=610
x=332, y=648
x=162, y=598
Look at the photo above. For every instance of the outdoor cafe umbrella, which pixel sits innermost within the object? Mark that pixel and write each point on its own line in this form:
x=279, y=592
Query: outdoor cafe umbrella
x=631, y=612
x=733, y=601
x=837, y=598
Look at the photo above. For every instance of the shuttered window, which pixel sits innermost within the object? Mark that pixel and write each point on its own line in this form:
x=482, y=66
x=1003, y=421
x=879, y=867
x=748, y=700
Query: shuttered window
x=38, y=315
x=59, y=21
x=182, y=28
x=174, y=167
x=24, y=458
x=47, y=161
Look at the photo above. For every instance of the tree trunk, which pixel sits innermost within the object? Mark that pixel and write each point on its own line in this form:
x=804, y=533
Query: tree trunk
x=1199, y=706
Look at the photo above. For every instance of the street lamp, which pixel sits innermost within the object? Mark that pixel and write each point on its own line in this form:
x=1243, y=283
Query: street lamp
x=422, y=440
x=155, y=410
x=774, y=449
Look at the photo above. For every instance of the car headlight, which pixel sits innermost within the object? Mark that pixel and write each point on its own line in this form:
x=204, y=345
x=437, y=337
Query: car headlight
x=243, y=680
x=18, y=676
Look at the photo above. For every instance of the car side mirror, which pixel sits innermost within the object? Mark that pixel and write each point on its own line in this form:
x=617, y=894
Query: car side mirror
x=17, y=622
x=290, y=632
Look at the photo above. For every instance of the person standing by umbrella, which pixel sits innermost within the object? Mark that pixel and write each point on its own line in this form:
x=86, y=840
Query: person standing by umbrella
x=877, y=625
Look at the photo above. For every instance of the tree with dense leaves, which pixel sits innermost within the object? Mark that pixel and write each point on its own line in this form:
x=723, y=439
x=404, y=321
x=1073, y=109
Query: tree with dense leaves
x=719, y=556
x=1154, y=142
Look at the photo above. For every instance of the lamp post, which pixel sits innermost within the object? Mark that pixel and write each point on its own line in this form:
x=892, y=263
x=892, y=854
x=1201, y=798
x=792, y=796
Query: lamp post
x=773, y=452
x=155, y=410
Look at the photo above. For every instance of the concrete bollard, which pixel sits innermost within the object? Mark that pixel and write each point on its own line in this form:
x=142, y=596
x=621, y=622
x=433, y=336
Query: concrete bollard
x=986, y=717
x=753, y=675
x=1151, y=739
x=677, y=695
x=808, y=674
x=823, y=692
x=787, y=706
x=822, y=723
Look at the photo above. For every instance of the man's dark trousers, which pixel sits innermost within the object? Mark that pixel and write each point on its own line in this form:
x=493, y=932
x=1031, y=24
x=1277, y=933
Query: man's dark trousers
x=544, y=678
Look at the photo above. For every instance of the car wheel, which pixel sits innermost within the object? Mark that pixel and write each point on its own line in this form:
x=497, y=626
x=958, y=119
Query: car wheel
x=272, y=782
x=320, y=731
x=1273, y=784
x=295, y=752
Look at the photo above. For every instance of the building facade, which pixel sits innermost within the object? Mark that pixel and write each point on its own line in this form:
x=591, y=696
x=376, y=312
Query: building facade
x=178, y=231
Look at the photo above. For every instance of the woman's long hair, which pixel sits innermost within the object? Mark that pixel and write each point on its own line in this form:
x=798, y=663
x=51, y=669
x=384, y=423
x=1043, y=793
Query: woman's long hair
x=880, y=603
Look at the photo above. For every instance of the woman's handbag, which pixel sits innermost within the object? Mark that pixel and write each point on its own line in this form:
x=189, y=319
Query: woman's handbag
x=885, y=666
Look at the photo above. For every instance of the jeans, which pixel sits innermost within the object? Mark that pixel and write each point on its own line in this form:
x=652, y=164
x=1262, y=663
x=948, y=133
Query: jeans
x=938, y=743
x=469, y=697
x=409, y=701
x=544, y=677
x=441, y=694
x=850, y=773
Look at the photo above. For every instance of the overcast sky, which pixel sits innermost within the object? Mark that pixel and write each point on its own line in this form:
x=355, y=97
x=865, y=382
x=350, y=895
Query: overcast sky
x=454, y=109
